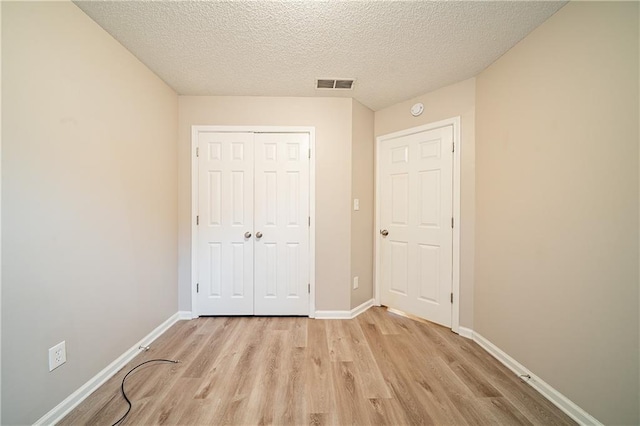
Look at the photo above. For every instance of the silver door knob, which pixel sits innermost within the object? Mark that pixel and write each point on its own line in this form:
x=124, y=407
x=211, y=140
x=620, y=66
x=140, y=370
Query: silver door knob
x=258, y=234
x=384, y=232
x=247, y=234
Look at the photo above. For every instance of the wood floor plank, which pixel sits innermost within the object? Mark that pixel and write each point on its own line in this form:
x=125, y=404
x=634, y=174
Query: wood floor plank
x=319, y=384
x=386, y=411
x=338, y=341
x=474, y=381
x=389, y=355
x=382, y=319
x=368, y=374
x=169, y=404
x=350, y=409
x=377, y=369
x=429, y=381
x=268, y=374
x=299, y=331
x=504, y=412
x=292, y=407
x=214, y=340
x=539, y=410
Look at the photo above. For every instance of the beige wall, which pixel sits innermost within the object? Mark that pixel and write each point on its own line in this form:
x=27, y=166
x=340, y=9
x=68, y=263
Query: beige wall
x=362, y=149
x=331, y=118
x=0, y=221
x=557, y=206
x=89, y=195
x=451, y=101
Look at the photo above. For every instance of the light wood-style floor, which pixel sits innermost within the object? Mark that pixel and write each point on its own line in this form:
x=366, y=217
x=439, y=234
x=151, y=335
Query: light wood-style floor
x=380, y=368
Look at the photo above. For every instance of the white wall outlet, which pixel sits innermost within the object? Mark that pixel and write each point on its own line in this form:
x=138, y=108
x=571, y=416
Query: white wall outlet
x=356, y=284
x=57, y=355
x=356, y=204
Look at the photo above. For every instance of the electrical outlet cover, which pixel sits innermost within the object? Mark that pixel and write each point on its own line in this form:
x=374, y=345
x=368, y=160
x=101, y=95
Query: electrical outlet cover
x=57, y=355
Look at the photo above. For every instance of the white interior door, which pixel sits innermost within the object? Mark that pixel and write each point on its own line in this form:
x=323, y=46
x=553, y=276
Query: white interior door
x=253, y=232
x=281, y=224
x=416, y=210
x=225, y=230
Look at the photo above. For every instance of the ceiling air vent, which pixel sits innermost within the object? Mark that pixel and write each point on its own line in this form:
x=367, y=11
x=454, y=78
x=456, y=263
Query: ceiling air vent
x=335, y=83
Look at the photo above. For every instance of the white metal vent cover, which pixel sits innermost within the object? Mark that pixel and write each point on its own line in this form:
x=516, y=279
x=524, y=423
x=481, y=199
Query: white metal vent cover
x=335, y=83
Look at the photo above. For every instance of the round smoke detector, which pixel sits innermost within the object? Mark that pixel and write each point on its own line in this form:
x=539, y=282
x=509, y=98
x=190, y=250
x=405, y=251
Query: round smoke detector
x=417, y=109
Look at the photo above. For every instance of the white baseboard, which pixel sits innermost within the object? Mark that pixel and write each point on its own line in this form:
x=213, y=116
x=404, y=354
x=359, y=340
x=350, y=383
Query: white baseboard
x=546, y=390
x=72, y=401
x=345, y=314
x=185, y=315
x=333, y=314
x=465, y=332
x=361, y=308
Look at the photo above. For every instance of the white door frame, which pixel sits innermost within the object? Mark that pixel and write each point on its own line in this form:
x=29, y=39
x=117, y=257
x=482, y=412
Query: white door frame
x=455, y=282
x=195, y=194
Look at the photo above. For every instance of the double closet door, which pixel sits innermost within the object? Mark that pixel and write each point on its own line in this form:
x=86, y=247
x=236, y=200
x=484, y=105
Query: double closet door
x=253, y=227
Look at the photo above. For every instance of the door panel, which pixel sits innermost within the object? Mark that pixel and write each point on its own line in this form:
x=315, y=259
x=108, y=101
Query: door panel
x=281, y=216
x=399, y=263
x=225, y=256
x=416, y=189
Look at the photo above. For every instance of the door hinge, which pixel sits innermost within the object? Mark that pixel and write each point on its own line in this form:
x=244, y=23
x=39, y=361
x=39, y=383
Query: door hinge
x=451, y=222
x=197, y=287
x=309, y=220
x=451, y=297
x=309, y=152
x=309, y=288
x=453, y=147
x=197, y=151
x=197, y=220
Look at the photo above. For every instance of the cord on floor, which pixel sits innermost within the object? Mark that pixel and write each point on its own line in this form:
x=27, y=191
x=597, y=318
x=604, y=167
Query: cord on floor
x=124, y=394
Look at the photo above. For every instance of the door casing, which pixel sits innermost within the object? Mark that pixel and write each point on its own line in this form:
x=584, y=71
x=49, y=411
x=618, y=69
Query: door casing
x=194, y=201
x=455, y=279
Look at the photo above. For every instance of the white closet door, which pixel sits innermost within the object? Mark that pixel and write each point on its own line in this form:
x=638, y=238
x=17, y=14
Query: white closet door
x=225, y=231
x=416, y=210
x=281, y=224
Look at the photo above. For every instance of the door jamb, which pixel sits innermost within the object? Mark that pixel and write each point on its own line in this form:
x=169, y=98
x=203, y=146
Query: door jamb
x=455, y=282
x=195, y=130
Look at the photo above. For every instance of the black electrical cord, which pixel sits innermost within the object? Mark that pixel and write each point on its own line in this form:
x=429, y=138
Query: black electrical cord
x=125, y=378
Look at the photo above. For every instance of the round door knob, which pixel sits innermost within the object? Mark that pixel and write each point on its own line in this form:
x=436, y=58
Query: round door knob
x=384, y=232
x=247, y=234
x=258, y=234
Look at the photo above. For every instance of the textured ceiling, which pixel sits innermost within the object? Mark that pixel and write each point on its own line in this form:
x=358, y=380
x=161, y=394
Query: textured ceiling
x=395, y=50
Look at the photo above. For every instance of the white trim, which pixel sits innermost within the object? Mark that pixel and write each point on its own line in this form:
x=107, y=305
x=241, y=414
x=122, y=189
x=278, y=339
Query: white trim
x=455, y=279
x=345, y=314
x=546, y=390
x=362, y=307
x=457, y=175
x=72, y=401
x=185, y=315
x=195, y=194
x=465, y=332
x=333, y=315
x=312, y=229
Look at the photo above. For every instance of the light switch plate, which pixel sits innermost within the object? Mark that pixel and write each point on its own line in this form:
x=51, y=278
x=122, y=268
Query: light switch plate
x=356, y=204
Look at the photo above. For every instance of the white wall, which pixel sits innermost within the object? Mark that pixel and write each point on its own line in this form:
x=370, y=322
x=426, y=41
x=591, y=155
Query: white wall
x=89, y=202
x=332, y=119
x=557, y=206
x=451, y=101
